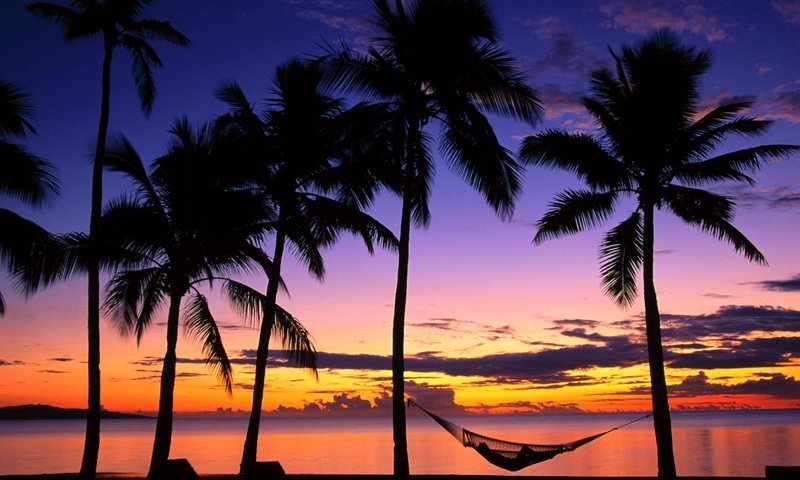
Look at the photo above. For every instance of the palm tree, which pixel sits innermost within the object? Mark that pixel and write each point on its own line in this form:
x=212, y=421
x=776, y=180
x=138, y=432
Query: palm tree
x=657, y=148
x=438, y=60
x=119, y=24
x=302, y=145
x=191, y=222
x=23, y=176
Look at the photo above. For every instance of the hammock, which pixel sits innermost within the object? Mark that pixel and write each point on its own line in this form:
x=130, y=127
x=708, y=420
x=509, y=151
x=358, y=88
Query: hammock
x=510, y=455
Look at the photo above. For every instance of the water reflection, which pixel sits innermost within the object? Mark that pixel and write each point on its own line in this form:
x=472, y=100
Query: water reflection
x=706, y=444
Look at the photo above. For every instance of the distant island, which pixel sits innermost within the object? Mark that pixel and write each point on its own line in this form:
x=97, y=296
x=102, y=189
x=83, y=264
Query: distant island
x=49, y=412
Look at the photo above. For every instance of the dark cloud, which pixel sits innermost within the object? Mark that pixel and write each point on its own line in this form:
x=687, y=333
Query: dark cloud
x=529, y=407
x=568, y=53
x=773, y=384
x=737, y=320
x=60, y=359
x=575, y=322
x=52, y=371
x=547, y=366
x=775, y=351
x=787, y=285
x=5, y=363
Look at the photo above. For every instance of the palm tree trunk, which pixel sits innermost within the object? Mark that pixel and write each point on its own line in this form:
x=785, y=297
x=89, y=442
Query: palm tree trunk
x=250, y=450
x=163, y=437
x=401, y=469
x=91, y=445
x=655, y=354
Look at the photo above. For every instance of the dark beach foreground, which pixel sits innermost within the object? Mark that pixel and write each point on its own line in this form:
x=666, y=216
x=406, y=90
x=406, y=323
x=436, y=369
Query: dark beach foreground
x=137, y=476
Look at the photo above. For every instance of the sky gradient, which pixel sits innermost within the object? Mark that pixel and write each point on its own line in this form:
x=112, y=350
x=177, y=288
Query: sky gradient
x=494, y=324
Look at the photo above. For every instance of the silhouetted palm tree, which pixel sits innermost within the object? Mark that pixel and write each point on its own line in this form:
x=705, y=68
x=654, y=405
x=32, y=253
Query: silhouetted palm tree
x=438, y=60
x=300, y=145
x=119, y=24
x=656, y=147
x=191, y=222
x=23, y=176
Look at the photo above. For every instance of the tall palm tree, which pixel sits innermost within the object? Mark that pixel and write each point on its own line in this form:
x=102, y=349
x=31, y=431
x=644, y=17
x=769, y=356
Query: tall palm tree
x=301, y=144
x=191, y=222
x=119, y=24
x=23, y=176
x=438, y=61
x=656, y=147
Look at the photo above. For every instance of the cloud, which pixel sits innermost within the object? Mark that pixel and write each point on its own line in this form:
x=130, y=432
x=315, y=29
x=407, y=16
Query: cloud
x=559, y=102
x=780, y=197
x=542, y=367
x=775, y=385
x=52, y=371
x=60, y=359
x=438, y=399
x=782, y=103
x=637, y=16
x=773, y=351
x=5, y=363
x=574, y=322
x=735, y=336
x=568, y=53
x=487, y=331
x=528, y=407
x=738, y=320
x=337, y=15
x=788, y=9
x=787, y=285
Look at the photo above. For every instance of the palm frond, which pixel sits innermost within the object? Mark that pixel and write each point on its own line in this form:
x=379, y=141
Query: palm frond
x=332, y=216
x=144, y=57
x=730, y=166
x=577, y=153
x=14, y=111
x=202, y=328
x=233, y=95
x=305, y=243
x=296, y=340
x=497, y=87
x=133, y=297
x=76, y=24
x=246, y=301
x=122, y=157
x=573, y=211
x=33, y=257
x=621, y=254
x=158, y=30
x=474, y=152
x=711, y=213
x=26, y=177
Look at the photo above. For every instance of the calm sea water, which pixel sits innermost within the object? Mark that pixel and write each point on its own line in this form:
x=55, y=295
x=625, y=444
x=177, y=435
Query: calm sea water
x=736, y=443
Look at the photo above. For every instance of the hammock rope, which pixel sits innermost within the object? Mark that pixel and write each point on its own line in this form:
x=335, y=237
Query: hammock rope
x=512, y=456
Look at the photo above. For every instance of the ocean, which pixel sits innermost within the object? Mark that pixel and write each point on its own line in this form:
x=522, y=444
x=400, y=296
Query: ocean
x=729, y=443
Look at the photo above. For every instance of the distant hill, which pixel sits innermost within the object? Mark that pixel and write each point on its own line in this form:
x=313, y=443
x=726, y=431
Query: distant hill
x=49, y=412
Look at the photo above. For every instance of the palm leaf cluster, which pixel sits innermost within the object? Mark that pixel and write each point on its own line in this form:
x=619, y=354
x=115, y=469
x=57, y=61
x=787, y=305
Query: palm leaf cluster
x=657, y=148
x=23, y=176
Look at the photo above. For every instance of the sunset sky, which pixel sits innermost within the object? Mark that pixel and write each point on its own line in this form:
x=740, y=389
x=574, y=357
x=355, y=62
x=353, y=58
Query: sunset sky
x=494, y=323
